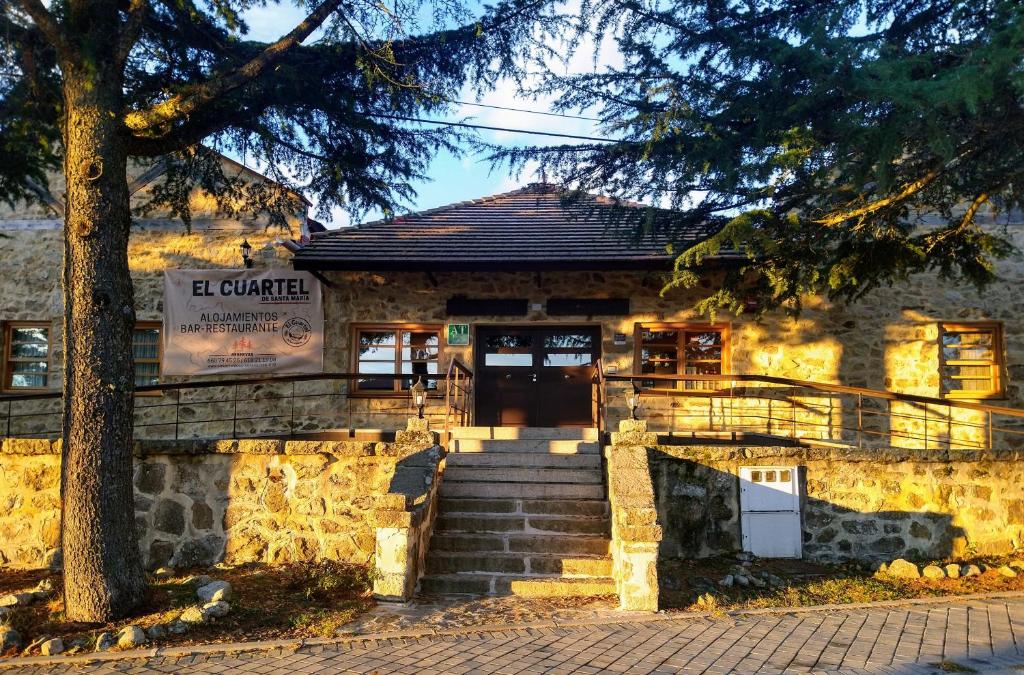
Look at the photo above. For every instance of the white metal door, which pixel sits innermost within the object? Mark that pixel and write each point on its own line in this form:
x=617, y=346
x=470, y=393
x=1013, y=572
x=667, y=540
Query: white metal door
x=770, y=511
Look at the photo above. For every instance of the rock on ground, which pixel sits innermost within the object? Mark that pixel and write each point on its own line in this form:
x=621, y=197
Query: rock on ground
x=156, y=632
x=1007, y=571
x=934, y=572
x=216, y=609
x=952, y=571
x=17, y=599
x=970, y=571
x=199, y=580
x=130, y=637
x=193, y=614
x=105, y=641
x=9, y=638
x=51, y=647
x=214, y=591
x=177, y=627
x=902, y=569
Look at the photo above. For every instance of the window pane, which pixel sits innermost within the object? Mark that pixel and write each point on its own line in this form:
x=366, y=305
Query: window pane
x=496, y=342
x=970, y=357
x=376, y=338
x=146, y=374
x=22, y=381
x=560, y=360
x=569, y=341
x=421, y=339
x=508, y=360
x=419, y=353
x=386, y=354
x=660, y=336
x=29, y=350
x=30, y=334
x=146, y=343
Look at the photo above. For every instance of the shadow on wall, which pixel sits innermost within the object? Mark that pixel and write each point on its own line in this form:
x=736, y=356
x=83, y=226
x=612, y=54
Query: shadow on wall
x=699, y=509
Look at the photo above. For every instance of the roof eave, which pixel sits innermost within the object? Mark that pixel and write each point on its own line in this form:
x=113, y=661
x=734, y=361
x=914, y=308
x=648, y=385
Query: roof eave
x=502, y=265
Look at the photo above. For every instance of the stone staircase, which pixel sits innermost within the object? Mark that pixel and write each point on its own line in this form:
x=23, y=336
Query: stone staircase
x=523, y=511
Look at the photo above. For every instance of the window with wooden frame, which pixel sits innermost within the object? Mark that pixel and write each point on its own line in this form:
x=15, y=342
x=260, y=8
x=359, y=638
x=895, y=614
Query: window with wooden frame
x=682, y=349
x=971, y=359
x=146, y=350
x=26, y=356
x=395, y=349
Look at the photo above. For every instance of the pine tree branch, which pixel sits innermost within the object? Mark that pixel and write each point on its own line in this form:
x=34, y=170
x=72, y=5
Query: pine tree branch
x=132, y=30
x=908, y=190
x=180, y=106
x=46, y=24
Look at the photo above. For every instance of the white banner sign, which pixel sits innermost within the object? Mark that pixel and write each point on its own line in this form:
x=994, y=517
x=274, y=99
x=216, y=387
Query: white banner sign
x=242, y=321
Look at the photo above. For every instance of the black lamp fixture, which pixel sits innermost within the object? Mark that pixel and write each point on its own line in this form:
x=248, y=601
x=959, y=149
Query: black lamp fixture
x=418, y=392
x=633, y=400
x=246, y=250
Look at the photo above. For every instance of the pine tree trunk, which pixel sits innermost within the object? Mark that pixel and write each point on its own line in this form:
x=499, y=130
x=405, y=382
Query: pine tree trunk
x=103, y=572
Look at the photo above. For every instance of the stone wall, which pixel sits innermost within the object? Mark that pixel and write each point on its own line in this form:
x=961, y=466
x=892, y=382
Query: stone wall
x=856, y=505
x=200, y=502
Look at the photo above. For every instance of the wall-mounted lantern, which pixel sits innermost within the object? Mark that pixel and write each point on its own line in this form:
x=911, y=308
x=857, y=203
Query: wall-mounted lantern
x=246, y=250
x=418, y=392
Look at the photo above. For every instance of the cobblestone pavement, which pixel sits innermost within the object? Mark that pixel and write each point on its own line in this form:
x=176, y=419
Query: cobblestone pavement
x=977, y=635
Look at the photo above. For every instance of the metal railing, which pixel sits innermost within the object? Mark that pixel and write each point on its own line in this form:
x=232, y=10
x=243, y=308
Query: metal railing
x=764, y=408
x=287, y=405
x=458, y=404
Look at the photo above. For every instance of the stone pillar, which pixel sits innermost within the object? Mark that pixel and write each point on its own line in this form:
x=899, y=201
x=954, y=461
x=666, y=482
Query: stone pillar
x=635, y=530
x=403, y=518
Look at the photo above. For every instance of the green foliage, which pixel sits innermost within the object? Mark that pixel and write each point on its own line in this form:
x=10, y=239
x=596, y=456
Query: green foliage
x=832, y=145
x=314, y=119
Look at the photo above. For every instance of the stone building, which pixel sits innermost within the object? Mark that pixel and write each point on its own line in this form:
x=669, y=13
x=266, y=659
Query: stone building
x=533, y=296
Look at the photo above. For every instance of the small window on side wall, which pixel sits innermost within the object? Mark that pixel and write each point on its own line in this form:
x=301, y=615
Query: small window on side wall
x=26, y=356
x=971, y=359
x=387, y=350
x=682, y=349
x=146, y=351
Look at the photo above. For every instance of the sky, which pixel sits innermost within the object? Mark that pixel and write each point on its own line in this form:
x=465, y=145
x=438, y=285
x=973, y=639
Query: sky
x=453, y=179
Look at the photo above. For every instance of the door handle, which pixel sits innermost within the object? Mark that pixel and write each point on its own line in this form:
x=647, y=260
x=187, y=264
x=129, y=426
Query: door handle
x=534, y=376
x=508, y=376
x=567, y=376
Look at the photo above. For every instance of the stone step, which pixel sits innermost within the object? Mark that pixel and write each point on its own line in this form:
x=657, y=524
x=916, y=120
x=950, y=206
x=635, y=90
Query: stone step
x=574, y=545
x=513, y=433
x=551, y=507
x=527, y=587
x=525, y=460
x=510, y=474
x=522, y=523
x=543, y=446
x=445, y=562
x=454, y=488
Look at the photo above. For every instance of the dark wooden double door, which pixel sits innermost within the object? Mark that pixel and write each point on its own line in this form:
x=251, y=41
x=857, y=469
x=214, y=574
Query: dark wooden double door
x=536, y=376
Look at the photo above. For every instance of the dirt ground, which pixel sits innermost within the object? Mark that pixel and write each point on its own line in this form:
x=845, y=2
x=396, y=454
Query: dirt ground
x=806, y=584
x=268, y=603
x=328, y=599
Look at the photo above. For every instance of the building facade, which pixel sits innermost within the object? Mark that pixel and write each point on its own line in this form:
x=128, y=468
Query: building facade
x=529, y=293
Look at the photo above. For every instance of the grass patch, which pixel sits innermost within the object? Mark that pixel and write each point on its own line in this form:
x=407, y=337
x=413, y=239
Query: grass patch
x=269, y=602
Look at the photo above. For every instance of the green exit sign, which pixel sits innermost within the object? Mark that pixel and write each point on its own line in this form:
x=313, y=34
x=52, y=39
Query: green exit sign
x=458, y=334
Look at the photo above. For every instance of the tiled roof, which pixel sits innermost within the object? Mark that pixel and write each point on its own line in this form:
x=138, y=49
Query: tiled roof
x=531, y=228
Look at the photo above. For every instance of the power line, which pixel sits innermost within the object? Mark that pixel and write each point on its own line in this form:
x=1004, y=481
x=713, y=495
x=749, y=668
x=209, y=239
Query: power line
x=531, y=112
x=490, y=128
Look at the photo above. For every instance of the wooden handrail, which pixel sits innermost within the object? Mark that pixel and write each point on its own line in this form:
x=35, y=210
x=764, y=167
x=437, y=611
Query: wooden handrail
x=806, y=384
